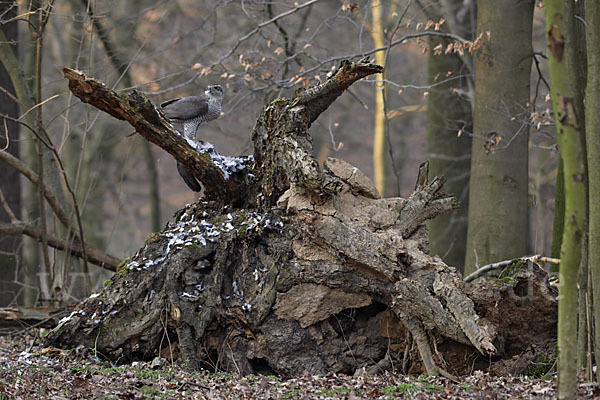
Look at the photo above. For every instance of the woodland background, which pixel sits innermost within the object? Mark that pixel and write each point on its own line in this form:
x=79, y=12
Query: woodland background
x=465, y=86
x=127, y=189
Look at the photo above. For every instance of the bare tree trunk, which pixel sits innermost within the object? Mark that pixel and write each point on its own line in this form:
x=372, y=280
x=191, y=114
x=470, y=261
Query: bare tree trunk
x=449, y=122
x=499, y=176
x=379, y=131
x=10, y=247
x=567, y=102
x=592, y=126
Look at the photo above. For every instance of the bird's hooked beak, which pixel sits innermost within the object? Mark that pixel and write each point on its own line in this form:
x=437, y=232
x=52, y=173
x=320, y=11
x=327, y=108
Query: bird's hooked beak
x=215, y=90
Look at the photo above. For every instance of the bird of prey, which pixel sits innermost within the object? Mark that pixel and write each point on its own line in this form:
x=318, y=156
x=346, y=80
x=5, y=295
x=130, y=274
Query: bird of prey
x=195, y=110
x=192, y=111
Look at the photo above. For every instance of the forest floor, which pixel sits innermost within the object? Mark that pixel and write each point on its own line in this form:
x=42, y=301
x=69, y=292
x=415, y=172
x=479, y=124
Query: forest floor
x=30, y=371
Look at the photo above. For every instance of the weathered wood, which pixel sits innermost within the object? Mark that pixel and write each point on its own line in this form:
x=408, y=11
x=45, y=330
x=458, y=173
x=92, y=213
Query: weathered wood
x=311, y=272
x=318, y=98
x=282, y=144
x=210, y=168
x=93, y=255
x=26, y=317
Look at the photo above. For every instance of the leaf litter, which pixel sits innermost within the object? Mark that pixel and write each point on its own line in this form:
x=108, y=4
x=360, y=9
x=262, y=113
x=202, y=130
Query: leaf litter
x=31, y=371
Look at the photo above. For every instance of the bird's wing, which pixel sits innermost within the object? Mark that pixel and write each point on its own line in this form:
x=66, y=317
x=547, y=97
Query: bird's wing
x=189, y=178
x=185, y=108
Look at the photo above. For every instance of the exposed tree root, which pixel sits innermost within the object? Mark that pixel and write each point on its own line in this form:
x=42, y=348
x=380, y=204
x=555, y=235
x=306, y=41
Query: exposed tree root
x=297, y=272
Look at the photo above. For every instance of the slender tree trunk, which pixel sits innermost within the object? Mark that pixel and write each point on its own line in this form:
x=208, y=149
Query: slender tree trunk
x=583, y=277
x=559, y=216
x=449, y=150
x=121, y=65
x=19, y=77
x=29, y=151
x=583, y=292
x=498, y=200
x=36, y=154
x=153, y=192
x=43, y=155
x=379, y=132
x=10, y=185
x=566, y=98
x=583, y=284
x=592, y=126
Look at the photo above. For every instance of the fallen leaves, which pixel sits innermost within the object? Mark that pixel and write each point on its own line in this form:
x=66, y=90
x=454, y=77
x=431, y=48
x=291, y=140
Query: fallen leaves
x=62, y=375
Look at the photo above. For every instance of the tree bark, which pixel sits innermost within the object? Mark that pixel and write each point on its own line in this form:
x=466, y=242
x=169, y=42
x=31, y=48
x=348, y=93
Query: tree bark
x=10, y=185
x=52, y=176
x=309, y=270
x=499, y=177
x=449, y=122
x=567, y=102
x=592, y=126
x=558, y=223
x=379, y=131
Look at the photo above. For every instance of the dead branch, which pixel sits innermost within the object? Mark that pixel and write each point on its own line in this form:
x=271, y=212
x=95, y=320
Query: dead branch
x=29, y=317
x=318, y=98
x=501, y=264
x=98, y=257
x=282, y=144
x=45, y=141
x=210, y=168
x=33, y=178
x=94, y=255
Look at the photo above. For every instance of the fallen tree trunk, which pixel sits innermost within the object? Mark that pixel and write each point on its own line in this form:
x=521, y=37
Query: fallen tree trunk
x=25, y=318
x=292, y=268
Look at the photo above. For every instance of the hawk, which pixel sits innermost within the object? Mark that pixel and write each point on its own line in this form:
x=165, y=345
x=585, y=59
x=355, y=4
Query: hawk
x=193, y=111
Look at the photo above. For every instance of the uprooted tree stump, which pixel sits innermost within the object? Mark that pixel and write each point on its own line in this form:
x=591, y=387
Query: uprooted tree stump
x=287, y=267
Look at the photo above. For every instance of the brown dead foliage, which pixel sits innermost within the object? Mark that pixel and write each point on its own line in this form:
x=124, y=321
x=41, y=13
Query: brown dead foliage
x=28, y=372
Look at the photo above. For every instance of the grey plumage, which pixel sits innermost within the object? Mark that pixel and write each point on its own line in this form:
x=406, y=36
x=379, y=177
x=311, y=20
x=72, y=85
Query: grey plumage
x=192, y=111
x=188, y=178
x=195, y=110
